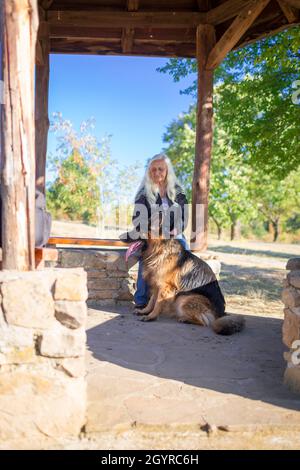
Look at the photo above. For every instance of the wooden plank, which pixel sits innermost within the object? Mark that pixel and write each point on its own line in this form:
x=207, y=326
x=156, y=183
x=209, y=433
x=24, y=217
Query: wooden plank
x=18, y=175
x=132, y=5
x=85, y=241
x=225, y=11
x=290, y=12
x=205, y=42
x=160, y=49
x=235, y=31
x=75, y=32
x=126, y=19
x=204, y=5
x=293, y=3
x=41, y=105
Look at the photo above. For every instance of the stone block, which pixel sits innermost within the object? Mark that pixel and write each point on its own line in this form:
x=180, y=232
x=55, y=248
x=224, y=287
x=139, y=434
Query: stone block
x=71, y=314
x=71, y=258
x=16, y=345
x=290, y=327
x=33, y=405
x=101, y=294
x=293, y=263
x=115, y=261
x=291, y=297
x=71, y=285
x=96, y=274
x=294, y=278
x=73, y=367
x=28, y=303
x=94, y=259
x=102, y=284
x=62, y=342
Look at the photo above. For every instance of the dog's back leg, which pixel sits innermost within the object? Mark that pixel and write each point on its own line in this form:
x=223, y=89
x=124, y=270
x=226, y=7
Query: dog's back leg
x=195, y=309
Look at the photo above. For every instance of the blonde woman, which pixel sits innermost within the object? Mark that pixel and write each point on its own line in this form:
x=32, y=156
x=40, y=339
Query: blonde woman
x=159, y=194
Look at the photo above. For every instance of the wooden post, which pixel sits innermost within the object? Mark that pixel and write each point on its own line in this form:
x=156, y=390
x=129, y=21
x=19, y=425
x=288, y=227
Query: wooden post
x=18, y=149
x=205, y=41
x=41, y=102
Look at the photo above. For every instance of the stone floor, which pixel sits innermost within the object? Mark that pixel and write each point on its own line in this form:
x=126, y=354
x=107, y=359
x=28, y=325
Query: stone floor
x=167, y=385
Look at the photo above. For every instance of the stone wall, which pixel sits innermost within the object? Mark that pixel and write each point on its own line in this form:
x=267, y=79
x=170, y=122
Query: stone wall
x=291, y=324
x=110, y=278
x=42, y=348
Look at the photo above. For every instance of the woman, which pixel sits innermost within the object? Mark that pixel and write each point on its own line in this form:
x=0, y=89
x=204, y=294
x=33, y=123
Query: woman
x=163, y=200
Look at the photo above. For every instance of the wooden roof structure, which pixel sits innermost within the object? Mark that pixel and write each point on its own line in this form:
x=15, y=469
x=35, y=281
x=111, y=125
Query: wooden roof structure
x=165, y=28
x=32, y=29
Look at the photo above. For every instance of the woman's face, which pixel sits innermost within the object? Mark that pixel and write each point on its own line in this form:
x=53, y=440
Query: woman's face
x=158, y=171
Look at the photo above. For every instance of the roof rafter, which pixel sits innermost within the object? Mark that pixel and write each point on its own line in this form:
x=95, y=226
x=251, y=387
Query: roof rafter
x=235, y=31
x=290, y=12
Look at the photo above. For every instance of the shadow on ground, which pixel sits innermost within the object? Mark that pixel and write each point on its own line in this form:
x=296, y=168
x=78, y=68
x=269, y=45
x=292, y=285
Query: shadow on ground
x=249, y=364
x=247, y=251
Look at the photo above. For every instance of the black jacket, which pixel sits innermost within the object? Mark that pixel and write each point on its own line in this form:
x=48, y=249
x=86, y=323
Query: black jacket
x=175, y=217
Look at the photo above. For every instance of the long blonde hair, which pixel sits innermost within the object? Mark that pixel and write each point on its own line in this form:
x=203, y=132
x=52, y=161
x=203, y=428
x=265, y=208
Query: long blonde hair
x=150, y=189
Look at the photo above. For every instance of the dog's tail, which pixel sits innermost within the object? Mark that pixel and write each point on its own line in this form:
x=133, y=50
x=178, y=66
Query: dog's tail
x=228, y=324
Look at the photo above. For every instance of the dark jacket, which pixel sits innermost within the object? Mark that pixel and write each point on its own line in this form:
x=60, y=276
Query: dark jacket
x=175, y=217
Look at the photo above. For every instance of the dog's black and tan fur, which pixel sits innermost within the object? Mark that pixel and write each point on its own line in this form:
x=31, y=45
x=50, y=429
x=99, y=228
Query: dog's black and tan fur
x=185, y=287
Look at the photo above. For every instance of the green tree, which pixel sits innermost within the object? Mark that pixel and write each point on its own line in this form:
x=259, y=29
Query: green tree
x=229, y=185
x=277, y=201
x=254, y=102
x=74, y=193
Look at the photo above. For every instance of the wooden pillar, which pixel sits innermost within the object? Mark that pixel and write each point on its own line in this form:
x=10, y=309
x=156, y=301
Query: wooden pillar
x=204, y=132
x=41, y=102
x=18, y=150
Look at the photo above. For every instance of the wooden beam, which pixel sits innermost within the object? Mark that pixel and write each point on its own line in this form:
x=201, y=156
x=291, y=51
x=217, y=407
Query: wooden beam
x=225, y=11
x=18, y=182
x=293, y=3
x=46, y=4
x=126, y=19
x=235, y=31
x=204, y=5
x=290, y=12
x=128, y=33
x=41, y=104
x=132, y=5
x=127, y=40
x=205, y=42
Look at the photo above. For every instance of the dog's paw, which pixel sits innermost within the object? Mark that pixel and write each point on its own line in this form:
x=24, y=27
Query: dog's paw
x=147, y=318
x=138, y=312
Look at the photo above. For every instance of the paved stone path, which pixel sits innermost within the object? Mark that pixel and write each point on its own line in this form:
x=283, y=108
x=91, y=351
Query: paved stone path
x=148, y=382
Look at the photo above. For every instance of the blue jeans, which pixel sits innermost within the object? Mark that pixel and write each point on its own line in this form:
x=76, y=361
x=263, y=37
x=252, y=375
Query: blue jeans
x=141, y=296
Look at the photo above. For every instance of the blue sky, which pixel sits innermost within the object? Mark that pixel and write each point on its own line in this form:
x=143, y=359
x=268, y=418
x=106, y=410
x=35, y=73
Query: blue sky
x=126, y=95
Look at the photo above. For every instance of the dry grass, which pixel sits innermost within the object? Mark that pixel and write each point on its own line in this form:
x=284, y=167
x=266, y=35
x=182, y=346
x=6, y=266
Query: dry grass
x=252, y=275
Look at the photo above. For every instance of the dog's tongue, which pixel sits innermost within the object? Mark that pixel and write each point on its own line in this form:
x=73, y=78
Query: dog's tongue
x=132, y=249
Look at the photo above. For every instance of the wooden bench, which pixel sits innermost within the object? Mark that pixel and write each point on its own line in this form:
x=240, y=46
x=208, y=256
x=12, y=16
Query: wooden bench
x=85, y=242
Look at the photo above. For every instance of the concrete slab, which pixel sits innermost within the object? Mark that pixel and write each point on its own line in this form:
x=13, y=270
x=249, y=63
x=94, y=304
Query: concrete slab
x=167, y=377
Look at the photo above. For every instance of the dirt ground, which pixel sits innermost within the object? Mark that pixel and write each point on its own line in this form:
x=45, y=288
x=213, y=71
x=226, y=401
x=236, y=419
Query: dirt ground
x=252, y=275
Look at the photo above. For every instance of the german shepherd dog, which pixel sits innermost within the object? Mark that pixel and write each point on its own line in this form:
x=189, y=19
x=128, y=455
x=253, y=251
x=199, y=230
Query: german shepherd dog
x=185, y=287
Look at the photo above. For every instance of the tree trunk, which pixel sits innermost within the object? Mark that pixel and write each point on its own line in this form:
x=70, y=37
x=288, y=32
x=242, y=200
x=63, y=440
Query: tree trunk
x=275, y=225
x=232, y=230
x=18, y=150
x=204, y=132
